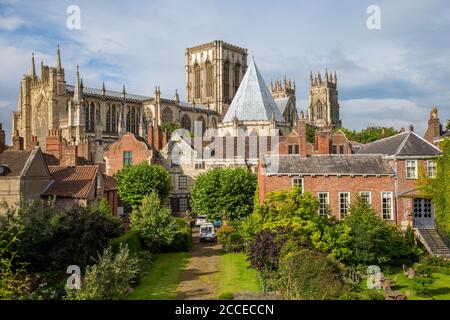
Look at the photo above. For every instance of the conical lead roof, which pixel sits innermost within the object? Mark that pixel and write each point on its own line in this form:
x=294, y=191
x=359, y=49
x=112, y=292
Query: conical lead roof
x=253, y=101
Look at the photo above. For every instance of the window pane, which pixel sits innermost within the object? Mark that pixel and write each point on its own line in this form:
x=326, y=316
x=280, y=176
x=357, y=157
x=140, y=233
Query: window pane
x=387, y=205
x=323, y=203
x=343, y=203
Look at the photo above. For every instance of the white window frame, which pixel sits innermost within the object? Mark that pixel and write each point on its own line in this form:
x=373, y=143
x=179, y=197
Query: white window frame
x=342, y=215
x=434, y=166
x=415, y=167
x=295, y=185
x=327, y=203
x=370, y=196
x=184, y=178
x=391, y=214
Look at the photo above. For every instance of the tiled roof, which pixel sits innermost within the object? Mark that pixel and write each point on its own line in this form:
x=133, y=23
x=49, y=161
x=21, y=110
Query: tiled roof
x=253, y=101
x=110, y=183
x=15, y=161
x=329, y=165
x=403, y=144
x=72, y=182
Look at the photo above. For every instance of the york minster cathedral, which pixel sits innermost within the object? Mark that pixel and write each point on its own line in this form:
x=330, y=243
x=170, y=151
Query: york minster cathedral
x=214, y=72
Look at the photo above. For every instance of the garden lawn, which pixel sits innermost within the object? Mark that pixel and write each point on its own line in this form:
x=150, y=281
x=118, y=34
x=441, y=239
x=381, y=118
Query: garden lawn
x=162, y=279
x=439, y=290
x=234, y=276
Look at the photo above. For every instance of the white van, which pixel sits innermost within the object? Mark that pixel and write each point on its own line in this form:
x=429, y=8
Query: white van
x=206, y=232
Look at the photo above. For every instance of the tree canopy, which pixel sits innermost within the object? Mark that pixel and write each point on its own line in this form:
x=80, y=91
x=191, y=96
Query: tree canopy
x=369, y=134
x=224, y=193
x=136, y=181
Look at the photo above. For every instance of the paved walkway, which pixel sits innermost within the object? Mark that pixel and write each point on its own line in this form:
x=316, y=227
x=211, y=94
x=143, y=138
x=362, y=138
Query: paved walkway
x=200, y=281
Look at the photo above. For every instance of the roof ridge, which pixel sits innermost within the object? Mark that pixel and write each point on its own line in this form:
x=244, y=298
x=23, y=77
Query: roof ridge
x=390, y=137
x=400, y=147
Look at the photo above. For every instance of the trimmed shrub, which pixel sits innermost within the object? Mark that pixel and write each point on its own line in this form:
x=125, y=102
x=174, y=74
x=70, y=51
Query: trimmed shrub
x=182, y=237
x=230, y=239
x=131, y=239
x=309, y=275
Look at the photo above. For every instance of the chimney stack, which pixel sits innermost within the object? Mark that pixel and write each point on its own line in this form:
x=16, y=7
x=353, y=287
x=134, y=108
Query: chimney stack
x=17, y=141
x=2, y=139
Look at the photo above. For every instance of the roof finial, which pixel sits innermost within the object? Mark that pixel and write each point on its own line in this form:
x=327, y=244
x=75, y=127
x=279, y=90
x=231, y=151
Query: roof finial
x=103, y=89
x=58, y=60
x=33, y=66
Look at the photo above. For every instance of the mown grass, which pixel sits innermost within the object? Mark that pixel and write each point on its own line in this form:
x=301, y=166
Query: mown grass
x=162, y=279
x=234, y=276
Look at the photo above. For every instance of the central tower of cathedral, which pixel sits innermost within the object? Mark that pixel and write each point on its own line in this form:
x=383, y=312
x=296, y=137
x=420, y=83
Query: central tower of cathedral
x=213, y=73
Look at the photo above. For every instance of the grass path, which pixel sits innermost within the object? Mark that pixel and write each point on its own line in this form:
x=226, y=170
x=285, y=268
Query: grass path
x=234, y=276
x=162, y=280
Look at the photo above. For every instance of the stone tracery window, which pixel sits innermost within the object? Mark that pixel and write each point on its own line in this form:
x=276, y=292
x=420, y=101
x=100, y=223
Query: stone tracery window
x=167, y=116
x=186, y=122
x=226, y=80
x=197, y=81
x=237, y=69
x=209, y=79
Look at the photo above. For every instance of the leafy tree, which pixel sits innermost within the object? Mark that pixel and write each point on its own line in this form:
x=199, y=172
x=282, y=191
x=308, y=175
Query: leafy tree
x=170, y=127
x=423, y=279
x=13, y=279
x=224, y=193
x=104, y=208
x=309, y=275
x=373, y=241
x=110, y=279
x=154, y=223
x=369, y=134
x=136, y=181
x=438, y=189
x=78, y=234
x=310, y=134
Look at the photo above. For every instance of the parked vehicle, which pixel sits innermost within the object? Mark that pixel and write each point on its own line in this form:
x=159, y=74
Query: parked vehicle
x=217, y=223
x=206, y=232
x=200, y=219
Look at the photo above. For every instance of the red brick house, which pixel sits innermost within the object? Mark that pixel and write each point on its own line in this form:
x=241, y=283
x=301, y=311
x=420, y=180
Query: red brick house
x=334, y=180
x=407, y=152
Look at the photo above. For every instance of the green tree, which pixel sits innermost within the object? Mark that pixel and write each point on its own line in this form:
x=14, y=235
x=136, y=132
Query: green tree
x=109, y=279
x=78, y=234
x=136, y=181
x=438, y=189
x=170, y=127
x=104, y=208
x=309, y=275
x=373, y=241
x=369, y=134
x=224, y=193
x=154, y=223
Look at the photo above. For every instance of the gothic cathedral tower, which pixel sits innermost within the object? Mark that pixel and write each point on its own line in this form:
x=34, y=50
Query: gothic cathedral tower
x=323, y=107
x=213, y=73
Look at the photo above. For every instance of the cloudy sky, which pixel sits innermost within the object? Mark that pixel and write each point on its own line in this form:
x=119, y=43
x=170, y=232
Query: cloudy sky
x=390, y=77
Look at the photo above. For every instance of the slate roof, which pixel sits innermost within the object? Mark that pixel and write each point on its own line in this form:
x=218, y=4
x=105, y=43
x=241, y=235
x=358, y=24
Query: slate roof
x=329, y=165
x=446, y=134
x=15, y=161
x=282, y=103
x=403, y=144
x=72, y=182
x=253, y=100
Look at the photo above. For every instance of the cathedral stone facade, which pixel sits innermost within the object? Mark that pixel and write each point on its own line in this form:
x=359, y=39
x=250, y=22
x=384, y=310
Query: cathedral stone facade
x=323, y=107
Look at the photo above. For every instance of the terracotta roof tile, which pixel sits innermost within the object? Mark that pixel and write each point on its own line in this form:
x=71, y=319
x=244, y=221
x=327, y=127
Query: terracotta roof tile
x=72, y=182
x=110, y=183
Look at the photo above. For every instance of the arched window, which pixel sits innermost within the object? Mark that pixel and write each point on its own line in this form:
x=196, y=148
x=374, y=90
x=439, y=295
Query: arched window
x=92, y=117
x=86, y=117
x=237, y=69
x=209, y=79
x=226, y=80
x=186, y=122
x=133, y=120
x=197, y=81
x=108, y=119
x=128, y=121
x=113, y=119
x=202, y=120
x=319, y=110
x=167, y=115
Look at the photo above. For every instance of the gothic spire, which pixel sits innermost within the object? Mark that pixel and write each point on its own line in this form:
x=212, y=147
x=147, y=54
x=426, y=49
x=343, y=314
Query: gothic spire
x=58, y=60
x=103, y=89
x=33, y=66
x=77, y=91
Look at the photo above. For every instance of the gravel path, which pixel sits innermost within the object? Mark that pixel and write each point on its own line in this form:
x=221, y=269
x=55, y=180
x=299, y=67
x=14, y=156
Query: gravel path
x=200, y=281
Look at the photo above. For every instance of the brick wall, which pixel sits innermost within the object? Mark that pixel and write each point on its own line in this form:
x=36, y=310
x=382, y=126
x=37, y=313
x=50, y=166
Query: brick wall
x=333, y=185
x=115, y=153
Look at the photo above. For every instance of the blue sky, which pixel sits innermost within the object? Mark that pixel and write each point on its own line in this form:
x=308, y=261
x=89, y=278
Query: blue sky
x=390, y=76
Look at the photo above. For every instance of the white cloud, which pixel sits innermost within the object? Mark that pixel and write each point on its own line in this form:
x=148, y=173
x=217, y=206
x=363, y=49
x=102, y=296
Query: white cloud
x=11, y=23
